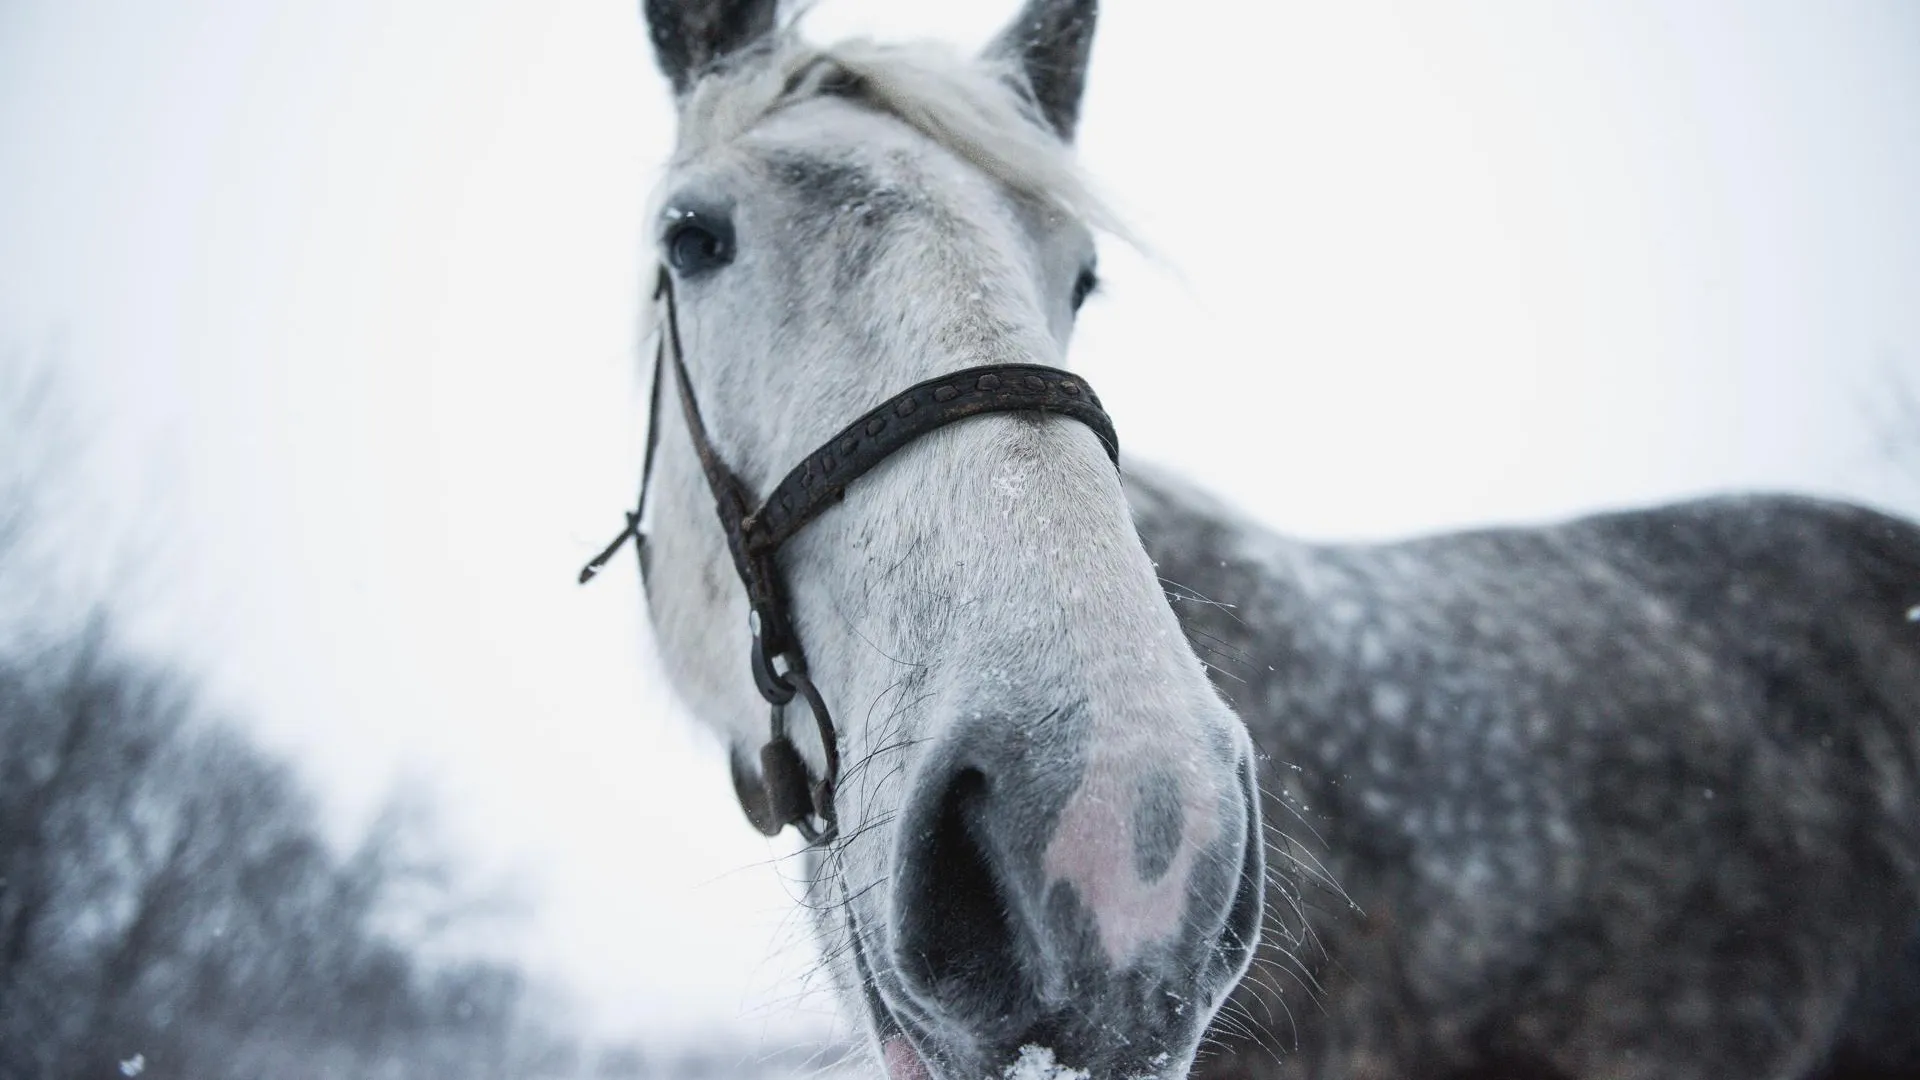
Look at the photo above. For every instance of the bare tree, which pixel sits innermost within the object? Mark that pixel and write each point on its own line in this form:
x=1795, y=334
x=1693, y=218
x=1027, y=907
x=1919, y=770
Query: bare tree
x=166, y=897
x=169, y=904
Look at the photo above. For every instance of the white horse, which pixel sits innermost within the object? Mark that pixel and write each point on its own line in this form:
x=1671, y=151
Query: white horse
x=1634, y=797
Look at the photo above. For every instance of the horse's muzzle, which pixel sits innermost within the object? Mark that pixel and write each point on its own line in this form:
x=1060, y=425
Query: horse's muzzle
x=1093, y=922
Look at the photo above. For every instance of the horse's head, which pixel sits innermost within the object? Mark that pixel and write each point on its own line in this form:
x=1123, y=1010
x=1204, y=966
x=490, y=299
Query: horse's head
x=1048, y=848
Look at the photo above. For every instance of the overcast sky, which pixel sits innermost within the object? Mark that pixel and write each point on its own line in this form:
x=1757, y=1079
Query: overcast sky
x=347, y=288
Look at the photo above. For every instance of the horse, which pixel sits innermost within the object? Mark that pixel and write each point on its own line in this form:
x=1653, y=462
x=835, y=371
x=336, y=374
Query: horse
x=1098, y=778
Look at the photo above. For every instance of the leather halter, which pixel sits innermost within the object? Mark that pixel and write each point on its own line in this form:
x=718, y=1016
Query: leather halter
x=781, y=794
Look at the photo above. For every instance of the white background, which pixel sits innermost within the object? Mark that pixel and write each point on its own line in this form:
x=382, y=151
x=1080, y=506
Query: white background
x=346, y=289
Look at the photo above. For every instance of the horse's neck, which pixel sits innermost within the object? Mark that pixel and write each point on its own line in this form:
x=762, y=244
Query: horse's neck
x=1251, y=603
x=1238, y=588
x=1290, y=631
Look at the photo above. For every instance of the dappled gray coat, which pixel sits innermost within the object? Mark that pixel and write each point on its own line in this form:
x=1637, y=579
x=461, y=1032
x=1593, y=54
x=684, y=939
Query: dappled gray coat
x=1572, y=801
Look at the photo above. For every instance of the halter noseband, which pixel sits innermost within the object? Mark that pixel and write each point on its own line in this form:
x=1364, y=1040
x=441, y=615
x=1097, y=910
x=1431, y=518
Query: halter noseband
x=781, y=795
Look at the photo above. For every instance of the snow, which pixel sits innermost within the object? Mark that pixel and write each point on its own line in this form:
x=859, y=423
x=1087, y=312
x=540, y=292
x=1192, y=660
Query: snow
x=1037, y=1063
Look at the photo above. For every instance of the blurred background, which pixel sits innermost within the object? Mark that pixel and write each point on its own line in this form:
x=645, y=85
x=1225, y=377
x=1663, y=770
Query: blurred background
x=319, y=379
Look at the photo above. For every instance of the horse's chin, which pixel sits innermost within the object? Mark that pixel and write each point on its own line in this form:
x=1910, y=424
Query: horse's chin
x=902, y=1057
x=903, y=1062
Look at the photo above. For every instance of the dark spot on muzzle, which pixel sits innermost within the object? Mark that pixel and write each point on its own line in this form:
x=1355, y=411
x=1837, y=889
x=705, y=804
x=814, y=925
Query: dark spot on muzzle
x=1158, y=821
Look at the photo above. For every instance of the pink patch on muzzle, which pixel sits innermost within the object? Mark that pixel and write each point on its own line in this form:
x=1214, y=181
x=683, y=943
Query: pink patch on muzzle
x=903, y=1061
x=1093, y=850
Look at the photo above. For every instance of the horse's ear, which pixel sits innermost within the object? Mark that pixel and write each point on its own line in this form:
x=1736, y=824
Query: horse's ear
x=690, y=36
x=1050, y=42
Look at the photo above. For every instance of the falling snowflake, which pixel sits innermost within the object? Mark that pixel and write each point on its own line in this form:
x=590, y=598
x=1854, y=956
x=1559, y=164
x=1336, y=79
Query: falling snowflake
x=134, y=1065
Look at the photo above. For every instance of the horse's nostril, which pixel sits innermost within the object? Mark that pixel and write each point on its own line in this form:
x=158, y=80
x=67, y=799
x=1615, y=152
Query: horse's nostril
x=956, y=940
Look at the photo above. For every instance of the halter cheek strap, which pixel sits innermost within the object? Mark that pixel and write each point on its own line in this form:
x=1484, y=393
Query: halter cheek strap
x=781, y=795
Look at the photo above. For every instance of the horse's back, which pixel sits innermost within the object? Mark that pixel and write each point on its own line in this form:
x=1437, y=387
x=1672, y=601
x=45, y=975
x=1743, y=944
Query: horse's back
x=1638, y=795
x=1811, y=610
x=1822, y=597
x=1815, y=607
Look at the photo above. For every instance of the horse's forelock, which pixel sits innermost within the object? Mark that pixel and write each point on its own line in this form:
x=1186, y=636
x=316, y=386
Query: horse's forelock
x=974, y=108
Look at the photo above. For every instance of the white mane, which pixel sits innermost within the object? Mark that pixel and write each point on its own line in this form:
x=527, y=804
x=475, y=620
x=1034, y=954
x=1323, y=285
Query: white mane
x=968, y=106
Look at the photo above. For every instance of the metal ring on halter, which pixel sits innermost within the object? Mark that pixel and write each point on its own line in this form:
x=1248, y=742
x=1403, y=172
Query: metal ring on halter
x=774, y=685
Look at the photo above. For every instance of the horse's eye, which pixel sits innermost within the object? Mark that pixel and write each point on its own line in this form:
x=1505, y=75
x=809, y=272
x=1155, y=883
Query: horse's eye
x=842, y=83
x=1083, y=287
x=698, y=245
